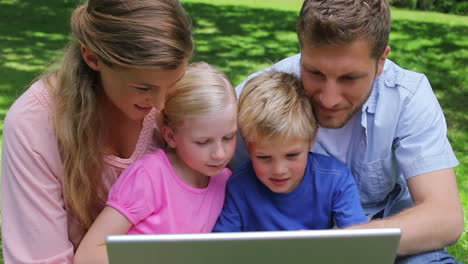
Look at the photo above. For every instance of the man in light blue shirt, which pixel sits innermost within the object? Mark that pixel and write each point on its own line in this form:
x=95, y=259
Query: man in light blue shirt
x=383, y=121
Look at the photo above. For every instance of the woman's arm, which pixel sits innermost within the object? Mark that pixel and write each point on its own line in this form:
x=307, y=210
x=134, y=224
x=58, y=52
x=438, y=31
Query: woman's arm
x=34, y=220
x=92, y=248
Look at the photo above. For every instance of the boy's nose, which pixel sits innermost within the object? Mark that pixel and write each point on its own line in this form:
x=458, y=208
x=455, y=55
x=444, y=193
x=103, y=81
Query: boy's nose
x=278, y=168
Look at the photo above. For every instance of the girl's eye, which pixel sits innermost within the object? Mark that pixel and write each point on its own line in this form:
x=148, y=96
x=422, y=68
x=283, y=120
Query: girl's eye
x=201, y=142
x=292, y=155
x=143, y=89
x=228, y=137
x=263, y=157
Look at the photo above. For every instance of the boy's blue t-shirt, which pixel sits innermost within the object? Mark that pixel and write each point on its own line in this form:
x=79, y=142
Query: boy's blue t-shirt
x=326, y=196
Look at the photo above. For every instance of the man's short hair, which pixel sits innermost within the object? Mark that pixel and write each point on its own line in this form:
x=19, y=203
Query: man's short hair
x=275, y=104
x=338, y=22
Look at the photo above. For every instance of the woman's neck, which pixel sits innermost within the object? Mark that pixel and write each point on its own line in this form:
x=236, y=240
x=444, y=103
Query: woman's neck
x=120, y=133
x=187, y=174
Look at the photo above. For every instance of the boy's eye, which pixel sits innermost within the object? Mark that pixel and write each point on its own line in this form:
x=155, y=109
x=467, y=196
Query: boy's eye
x=292, y=155
x=228, y=137
x=263, y=157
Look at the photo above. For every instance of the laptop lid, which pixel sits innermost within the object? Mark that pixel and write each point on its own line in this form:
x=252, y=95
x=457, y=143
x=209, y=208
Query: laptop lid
x=363, y=246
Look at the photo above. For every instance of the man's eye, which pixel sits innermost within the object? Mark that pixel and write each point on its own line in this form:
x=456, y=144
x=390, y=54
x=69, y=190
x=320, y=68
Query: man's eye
x=350, y=78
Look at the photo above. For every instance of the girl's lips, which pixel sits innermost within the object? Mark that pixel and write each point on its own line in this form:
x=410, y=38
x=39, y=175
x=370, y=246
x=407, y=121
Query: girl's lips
x=216, y=166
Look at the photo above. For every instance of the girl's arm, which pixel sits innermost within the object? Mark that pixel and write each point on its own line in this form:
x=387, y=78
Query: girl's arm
x=92, y=248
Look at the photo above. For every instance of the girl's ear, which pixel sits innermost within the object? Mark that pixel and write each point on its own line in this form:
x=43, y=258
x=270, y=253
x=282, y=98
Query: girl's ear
x=168, y=134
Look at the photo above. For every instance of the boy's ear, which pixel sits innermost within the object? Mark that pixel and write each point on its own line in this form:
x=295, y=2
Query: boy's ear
x=169, y=136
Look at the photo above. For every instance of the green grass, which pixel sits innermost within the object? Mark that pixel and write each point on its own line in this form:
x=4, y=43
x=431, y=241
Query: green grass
x=248, y=36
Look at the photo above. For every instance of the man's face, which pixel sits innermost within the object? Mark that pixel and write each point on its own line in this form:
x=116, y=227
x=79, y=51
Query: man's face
x=339, y=79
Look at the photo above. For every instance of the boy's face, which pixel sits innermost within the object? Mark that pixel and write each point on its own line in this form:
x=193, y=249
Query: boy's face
x=279, y=162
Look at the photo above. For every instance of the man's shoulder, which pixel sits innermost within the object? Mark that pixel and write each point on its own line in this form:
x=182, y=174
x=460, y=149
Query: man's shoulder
x=325, y=164
x=290, y=64
x=395, y=76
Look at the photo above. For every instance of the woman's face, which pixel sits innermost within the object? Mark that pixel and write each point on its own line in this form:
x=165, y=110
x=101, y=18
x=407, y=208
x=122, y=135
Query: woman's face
x=135, y=91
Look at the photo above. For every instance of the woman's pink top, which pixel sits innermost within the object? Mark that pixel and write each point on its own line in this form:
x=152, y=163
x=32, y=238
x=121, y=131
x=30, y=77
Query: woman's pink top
x=157, y=201
x=36, y=226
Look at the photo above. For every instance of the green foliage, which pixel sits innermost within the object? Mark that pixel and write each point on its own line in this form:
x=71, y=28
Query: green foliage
x=445, y=6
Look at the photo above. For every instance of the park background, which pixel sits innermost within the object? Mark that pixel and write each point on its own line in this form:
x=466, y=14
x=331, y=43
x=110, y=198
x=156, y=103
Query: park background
x=243, y=36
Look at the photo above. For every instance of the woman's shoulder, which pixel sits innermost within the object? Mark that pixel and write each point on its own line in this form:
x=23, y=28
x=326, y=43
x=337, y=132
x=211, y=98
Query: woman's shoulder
x=32, y=107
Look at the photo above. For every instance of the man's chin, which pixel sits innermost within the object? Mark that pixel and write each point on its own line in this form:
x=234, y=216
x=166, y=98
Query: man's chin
x=331, y=122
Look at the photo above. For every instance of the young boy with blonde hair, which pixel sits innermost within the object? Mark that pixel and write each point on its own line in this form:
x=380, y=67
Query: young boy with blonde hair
x=284, y=186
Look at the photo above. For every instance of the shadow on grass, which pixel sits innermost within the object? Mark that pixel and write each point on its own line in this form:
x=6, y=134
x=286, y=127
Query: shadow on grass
x=238, y=40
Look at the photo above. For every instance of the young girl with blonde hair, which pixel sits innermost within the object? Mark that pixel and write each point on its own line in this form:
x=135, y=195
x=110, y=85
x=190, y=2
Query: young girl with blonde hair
x=179, y=189
x=70, y=135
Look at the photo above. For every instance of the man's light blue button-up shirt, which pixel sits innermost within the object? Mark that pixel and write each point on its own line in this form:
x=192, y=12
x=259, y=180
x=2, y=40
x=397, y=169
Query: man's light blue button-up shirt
x=400, y=133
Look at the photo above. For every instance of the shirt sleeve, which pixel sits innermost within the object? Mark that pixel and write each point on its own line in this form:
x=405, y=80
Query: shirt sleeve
x=229, y=220
x=421, y=143
x=132, y=194
x=347, y=208
x=34, y=219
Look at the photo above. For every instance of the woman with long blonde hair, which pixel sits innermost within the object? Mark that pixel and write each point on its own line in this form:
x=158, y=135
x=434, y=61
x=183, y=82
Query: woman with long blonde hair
x=70, y=135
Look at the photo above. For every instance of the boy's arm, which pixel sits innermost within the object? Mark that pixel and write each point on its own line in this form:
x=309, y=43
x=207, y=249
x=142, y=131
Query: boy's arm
x=435, y=220
x=92, y=248
x=347, y=207
x=229, y=220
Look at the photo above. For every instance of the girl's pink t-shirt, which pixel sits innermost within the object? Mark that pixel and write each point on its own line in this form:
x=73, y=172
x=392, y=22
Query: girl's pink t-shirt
x=157, y=201
x=36, y=224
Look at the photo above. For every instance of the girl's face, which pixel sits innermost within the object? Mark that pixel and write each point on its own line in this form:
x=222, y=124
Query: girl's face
x=136, y=91
x=205, y=145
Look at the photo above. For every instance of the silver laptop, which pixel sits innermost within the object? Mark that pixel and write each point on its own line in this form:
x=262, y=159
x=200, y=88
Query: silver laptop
x=360, y=246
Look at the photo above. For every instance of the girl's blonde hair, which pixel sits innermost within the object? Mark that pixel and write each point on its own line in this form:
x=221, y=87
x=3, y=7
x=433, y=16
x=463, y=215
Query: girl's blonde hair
x=123, y=34
x=203, y=91
x=274, y=104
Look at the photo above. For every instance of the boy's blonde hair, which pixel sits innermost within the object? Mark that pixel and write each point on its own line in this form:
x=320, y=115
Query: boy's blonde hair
x=203, y=91
x=275, y=104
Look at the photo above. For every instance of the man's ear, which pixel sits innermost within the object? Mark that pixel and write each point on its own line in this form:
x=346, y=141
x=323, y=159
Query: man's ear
x=90, y=58
x=381, y=61
x=168, y=134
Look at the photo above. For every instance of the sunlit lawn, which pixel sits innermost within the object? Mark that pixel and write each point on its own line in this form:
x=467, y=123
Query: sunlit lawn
x=248, y=36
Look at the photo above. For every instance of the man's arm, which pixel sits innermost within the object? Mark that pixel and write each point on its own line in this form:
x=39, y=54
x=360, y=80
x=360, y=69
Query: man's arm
x=435, y=221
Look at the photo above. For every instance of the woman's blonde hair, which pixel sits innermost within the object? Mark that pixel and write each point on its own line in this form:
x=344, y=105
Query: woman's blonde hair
x=203, y=91
x=123, y=34
x=274, y=104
